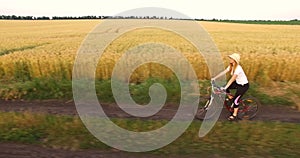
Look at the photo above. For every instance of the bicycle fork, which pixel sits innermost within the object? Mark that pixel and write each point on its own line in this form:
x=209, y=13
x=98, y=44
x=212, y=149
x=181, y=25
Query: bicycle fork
x=208, y=103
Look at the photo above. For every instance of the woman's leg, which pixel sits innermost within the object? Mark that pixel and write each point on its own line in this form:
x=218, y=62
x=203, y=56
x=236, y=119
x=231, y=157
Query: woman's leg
x=233, y=85
x=241, y=90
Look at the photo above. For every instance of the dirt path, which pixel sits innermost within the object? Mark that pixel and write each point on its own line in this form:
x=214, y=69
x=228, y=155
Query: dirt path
x=265, y=113
x=15, y=150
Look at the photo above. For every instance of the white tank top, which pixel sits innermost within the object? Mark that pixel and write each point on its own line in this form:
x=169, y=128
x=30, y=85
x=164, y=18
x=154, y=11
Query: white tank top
x=241, y=76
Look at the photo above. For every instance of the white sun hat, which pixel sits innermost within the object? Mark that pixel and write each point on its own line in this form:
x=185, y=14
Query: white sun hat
x=236, y=57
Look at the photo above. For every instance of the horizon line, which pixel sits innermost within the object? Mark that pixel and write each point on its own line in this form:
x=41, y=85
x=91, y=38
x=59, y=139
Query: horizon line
x=124, y=17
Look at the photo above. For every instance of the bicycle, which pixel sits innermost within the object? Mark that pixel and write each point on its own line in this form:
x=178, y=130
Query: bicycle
x=247, y=110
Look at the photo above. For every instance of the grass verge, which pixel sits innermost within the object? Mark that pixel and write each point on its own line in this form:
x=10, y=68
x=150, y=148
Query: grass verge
x=234, y=139
x=267, y=99
x=53, y=89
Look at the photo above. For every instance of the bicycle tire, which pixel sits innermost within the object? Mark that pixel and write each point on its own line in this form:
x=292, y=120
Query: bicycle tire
x=249, y=108
x=202, y=112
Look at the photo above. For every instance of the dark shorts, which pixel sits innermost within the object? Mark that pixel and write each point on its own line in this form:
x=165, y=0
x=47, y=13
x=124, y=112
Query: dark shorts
x=240, y=91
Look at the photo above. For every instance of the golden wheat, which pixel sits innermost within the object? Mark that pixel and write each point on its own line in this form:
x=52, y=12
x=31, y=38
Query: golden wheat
x=36, y=49
x=269, y=52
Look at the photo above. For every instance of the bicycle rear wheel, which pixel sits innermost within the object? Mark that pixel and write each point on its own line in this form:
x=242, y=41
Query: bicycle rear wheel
x=248, y=109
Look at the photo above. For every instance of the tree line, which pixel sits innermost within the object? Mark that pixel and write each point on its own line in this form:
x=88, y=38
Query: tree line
x=14, y=17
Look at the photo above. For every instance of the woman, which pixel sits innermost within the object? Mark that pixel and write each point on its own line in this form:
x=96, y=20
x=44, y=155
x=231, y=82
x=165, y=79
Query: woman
x=237, y=81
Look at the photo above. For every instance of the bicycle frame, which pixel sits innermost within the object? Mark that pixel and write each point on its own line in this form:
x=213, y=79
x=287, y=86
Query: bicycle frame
x=247, y=109
x=216, y=90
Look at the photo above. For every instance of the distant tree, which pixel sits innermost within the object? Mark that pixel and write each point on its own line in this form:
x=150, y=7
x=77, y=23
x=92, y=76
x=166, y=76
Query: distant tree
x=43, y=18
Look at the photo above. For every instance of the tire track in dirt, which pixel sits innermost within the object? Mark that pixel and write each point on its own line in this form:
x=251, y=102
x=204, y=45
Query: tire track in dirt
x=58, y=107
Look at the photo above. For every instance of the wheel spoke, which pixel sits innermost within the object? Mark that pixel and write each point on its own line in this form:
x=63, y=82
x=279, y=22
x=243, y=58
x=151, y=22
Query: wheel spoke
x=249, y=108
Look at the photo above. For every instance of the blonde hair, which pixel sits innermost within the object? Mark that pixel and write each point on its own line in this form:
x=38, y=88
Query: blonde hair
x=232, y=67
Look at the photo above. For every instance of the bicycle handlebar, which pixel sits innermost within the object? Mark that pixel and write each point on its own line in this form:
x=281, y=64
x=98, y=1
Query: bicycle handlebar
x=216, y=89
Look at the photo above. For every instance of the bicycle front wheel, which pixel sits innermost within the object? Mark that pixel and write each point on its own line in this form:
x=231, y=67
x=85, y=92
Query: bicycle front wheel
x=203, y=113
x=249, y=108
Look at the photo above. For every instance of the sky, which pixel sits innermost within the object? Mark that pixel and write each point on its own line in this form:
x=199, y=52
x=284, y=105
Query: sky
x=206, y=9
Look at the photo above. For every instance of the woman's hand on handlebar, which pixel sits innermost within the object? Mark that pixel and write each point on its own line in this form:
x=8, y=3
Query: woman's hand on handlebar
x=223, y=89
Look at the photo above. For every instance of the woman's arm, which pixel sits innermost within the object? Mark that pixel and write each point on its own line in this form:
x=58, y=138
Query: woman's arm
x=232, y=79
x=220, y=74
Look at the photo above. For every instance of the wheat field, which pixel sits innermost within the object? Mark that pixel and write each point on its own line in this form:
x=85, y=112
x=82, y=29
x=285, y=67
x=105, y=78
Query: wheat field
x=47, y=49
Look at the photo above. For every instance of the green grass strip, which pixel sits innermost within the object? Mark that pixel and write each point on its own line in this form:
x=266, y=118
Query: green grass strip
x=234, y=139
x=62, y=89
